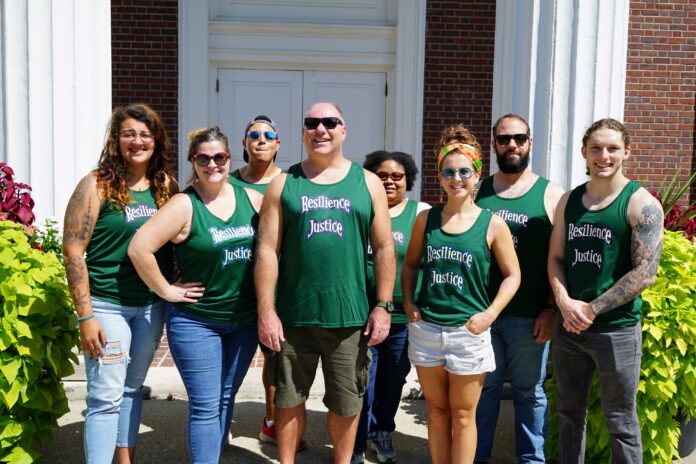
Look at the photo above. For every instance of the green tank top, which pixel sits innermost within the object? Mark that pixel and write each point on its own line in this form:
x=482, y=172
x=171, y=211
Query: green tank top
x=531, y=230
x=323, y=259
x=218, y=253
x=401, y=231
x=235, y=178
x=598, y=253
x=112, y=276
x=455, y=271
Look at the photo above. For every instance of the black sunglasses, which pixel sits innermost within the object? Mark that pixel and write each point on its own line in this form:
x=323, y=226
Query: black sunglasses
x=504, y=139
x=203, y=159
x=329, y=122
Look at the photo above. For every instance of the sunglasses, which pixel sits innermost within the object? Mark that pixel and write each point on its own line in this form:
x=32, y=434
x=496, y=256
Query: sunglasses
x=219, y=158
x=464, y=173
x=520, y=139
x=395, y=176
x=330, y=122
x=268, y=135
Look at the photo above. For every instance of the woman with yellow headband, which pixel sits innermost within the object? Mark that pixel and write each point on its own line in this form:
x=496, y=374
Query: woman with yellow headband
x=449, y=336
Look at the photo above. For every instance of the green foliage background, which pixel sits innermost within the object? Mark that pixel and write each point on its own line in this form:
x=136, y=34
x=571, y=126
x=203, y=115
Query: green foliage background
x=668, y=367
x=38, y=330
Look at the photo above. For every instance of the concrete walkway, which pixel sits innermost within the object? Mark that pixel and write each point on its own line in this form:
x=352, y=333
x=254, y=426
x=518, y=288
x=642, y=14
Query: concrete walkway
x=163, y=430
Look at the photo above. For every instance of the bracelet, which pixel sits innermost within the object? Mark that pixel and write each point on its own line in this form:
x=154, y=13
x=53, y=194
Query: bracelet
x=85, y=319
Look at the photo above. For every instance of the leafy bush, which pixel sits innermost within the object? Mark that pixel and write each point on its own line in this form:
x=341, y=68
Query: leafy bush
x=38, y=332
x=16, y=203
x=668, y=367
x=48, y=237
x=676, y=217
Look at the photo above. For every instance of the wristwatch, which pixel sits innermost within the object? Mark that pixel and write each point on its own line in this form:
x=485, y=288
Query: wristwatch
x=388, y=305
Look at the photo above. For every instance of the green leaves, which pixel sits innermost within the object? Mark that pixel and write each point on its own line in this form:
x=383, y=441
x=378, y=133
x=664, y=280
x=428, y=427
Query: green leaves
x=37, y=334
x=668, y=367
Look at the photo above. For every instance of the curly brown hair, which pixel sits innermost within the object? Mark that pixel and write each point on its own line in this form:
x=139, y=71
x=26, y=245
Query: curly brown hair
x=111, y=168
x=456, y=134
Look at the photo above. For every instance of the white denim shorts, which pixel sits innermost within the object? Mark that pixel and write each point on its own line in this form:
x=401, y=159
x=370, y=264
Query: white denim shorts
x=455, y=348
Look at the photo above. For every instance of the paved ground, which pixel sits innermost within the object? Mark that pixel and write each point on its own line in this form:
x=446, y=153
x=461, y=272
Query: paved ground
x=163, y=429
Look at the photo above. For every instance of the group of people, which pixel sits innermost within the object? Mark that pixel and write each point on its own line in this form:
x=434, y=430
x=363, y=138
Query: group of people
x=330, y=261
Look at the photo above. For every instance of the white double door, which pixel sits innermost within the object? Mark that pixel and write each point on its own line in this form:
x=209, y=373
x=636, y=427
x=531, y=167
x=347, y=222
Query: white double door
x=286, y=95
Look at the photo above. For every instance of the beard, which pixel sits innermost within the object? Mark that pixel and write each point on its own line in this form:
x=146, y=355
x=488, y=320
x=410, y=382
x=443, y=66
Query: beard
x=509, y=166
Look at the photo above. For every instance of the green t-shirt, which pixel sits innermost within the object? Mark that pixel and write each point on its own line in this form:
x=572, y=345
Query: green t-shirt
x=219, y=253
x=531, y=230
x=598, y=253
x=112, y=276
x=401, y=231
x=455, y=271
x=323, y=258
x=235, y=178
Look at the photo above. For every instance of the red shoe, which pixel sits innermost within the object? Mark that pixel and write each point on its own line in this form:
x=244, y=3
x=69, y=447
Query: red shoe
x=267, y=435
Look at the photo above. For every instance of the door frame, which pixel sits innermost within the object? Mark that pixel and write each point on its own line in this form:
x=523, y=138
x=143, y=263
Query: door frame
x=205, y=46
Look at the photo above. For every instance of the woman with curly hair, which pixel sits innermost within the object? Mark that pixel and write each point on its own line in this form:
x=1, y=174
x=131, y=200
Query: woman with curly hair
x=450, y=317
x=120, y=319
x=211, y=328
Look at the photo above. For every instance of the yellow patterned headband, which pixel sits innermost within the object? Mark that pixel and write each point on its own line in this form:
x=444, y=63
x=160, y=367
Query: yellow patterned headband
x=465, y=149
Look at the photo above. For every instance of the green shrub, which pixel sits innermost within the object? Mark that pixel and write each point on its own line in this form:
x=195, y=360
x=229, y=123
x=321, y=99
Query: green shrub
x=668, y=367
x=38, y=331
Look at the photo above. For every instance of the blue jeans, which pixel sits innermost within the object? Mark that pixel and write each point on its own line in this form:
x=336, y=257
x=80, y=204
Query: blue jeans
x=525, y=361
x=616, y=355
x=115, y=380
x=390, y=366
x=212, y=358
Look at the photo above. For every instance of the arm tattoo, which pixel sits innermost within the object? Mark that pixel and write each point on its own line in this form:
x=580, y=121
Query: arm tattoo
x=646, y=248
x=76, y=271
x=78, y=215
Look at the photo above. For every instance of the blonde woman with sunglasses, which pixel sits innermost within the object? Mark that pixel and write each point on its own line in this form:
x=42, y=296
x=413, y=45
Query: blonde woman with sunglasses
x=449, y=336
x=211, y=328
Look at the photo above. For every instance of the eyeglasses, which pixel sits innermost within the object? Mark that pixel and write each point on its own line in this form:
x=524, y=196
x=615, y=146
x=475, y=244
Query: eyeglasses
x=504, y=139
x=131, y=135
x=330, y=122
x=395, y=176
x=464, y=173
x=269, y=135
x=203, y=159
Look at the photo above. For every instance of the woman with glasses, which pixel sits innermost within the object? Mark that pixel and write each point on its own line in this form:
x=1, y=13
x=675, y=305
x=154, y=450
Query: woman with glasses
x=449, y=336
x=120, y=319
x=211, y=328
x=390, y=364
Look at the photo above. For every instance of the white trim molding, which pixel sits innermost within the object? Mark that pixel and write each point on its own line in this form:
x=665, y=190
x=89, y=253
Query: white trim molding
x=55, y=94
x=561, y=65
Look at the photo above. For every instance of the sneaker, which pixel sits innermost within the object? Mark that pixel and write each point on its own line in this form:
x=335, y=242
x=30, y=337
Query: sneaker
x=229, y=437
x=357, y=459
x=267, y=435
x=382, y=445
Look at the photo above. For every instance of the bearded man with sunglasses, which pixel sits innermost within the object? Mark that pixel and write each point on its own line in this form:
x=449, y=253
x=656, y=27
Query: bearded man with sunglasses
x=521, y=334
x=315, y=224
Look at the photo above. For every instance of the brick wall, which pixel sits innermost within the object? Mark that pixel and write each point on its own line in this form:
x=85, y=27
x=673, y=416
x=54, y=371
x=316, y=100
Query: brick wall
x=660, y=86
x=459, y=47
x=144, y=57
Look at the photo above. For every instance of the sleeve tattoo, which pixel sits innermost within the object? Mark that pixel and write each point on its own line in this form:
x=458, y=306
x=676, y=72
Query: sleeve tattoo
x=646, y=248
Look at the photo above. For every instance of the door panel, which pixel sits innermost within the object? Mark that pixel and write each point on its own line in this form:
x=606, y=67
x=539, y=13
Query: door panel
x=244, y=94
x=361, y=97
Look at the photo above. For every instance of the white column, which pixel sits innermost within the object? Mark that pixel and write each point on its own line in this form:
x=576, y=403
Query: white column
x=55, y=93
x=561, y=65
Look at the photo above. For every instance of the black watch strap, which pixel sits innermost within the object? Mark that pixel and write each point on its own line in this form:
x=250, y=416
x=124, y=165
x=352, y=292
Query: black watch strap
x=388, y=305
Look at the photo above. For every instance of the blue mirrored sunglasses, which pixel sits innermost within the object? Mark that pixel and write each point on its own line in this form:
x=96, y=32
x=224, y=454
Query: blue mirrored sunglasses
x=449, y=173
x=268, y=135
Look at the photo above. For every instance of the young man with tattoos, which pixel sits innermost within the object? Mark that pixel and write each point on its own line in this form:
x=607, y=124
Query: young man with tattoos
x=604, y=251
